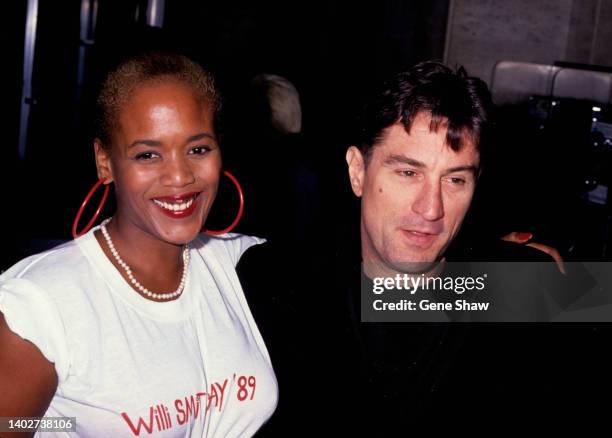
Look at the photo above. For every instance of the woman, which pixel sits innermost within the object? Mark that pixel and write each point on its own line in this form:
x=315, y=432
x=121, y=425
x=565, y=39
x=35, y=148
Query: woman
x=141, y=326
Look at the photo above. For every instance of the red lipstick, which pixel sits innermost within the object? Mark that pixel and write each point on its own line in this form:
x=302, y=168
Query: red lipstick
x=169, y=204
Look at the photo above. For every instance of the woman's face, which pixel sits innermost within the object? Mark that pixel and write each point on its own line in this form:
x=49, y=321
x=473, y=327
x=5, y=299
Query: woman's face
x=165, y=162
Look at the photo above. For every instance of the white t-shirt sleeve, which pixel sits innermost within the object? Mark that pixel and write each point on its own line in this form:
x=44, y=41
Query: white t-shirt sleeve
x=33, y=315
x=235, y=244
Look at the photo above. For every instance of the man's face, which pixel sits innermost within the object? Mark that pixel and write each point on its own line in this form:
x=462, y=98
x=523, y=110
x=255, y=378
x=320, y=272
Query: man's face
x=415, y=192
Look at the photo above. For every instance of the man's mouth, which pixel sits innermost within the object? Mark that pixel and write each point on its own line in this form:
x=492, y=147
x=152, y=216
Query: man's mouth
x=177, y=206
x=421, y=233
x=423, y=239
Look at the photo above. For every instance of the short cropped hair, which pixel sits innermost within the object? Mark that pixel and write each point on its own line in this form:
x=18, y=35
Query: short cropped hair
x=120, y=84
x=452, y=98
x=283, y=102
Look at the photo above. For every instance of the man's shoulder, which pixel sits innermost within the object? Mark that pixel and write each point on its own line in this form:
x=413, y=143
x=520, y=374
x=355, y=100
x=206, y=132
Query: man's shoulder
x=495, y=250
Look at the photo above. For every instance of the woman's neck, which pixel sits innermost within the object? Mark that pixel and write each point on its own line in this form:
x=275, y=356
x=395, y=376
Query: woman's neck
x=156, y=264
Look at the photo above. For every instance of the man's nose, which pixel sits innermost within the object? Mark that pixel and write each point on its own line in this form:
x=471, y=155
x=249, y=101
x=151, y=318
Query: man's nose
x=177, y=172
x=429, y=202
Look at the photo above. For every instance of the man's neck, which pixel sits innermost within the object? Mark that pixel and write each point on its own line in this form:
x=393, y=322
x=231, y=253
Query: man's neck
x=373, y=268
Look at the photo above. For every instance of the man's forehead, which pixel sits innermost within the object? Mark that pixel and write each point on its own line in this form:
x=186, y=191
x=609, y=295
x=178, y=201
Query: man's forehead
x=424, y=142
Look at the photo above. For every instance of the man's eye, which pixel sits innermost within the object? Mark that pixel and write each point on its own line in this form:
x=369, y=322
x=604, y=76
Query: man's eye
x=146, y=156
x=200, y=150
x=408, y=173
x=457, y=181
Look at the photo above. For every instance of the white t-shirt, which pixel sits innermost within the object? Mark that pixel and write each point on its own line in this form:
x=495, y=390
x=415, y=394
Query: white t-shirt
x=128, y=366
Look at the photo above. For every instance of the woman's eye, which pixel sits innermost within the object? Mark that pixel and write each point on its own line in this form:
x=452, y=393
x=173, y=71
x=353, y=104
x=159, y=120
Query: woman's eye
x=200, y=150
x=145, y=156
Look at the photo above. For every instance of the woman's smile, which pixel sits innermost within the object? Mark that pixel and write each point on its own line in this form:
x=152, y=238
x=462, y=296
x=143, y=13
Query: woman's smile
x=178, y=206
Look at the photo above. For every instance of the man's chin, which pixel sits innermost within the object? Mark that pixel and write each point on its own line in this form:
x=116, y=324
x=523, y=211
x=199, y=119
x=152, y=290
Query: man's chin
x=414, y=267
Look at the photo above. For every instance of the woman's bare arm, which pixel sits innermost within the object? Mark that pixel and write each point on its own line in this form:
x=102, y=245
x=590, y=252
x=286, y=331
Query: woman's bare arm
x=28, y=380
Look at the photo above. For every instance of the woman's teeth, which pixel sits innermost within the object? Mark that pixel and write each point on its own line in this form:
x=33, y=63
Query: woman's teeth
x=175, y=207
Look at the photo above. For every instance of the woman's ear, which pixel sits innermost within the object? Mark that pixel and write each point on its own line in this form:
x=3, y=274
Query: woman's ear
x=103, y=161
x=356, y=169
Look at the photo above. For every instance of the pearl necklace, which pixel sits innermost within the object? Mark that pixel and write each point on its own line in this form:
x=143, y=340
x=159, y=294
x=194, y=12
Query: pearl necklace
x=133, y=280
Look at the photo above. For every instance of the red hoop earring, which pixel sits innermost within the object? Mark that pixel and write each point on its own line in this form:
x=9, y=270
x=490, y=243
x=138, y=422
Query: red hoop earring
x=240, y=208
x=82, y=208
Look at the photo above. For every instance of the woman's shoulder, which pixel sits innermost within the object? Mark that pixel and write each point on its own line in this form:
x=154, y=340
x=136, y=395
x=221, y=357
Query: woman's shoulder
x=32, y=298
x=231, y=245
x=47, y=268
x=43, y=261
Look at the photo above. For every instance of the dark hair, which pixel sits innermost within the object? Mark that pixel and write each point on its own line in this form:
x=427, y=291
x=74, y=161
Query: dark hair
x=120, y=83
x=460, y=103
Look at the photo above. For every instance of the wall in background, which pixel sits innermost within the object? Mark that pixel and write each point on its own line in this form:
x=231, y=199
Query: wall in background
x=482, y=32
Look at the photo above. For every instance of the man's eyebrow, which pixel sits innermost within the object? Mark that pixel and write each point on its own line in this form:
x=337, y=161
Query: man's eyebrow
x=155, y=143
x=402, y=159
x=467, y=168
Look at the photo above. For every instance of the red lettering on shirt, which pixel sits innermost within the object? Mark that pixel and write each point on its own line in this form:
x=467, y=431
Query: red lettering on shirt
x=190, y=407
x=141, y=423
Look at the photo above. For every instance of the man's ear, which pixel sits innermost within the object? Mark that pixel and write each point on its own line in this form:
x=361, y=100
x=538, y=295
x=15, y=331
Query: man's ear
x=356, y=169
x=103, y=161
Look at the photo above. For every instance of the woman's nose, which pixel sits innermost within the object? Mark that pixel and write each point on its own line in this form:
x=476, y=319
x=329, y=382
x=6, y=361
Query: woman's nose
x=178, y=173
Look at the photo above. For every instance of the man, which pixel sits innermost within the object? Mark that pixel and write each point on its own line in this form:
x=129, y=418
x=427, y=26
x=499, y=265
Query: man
x=416, y=166
x=415, y=169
